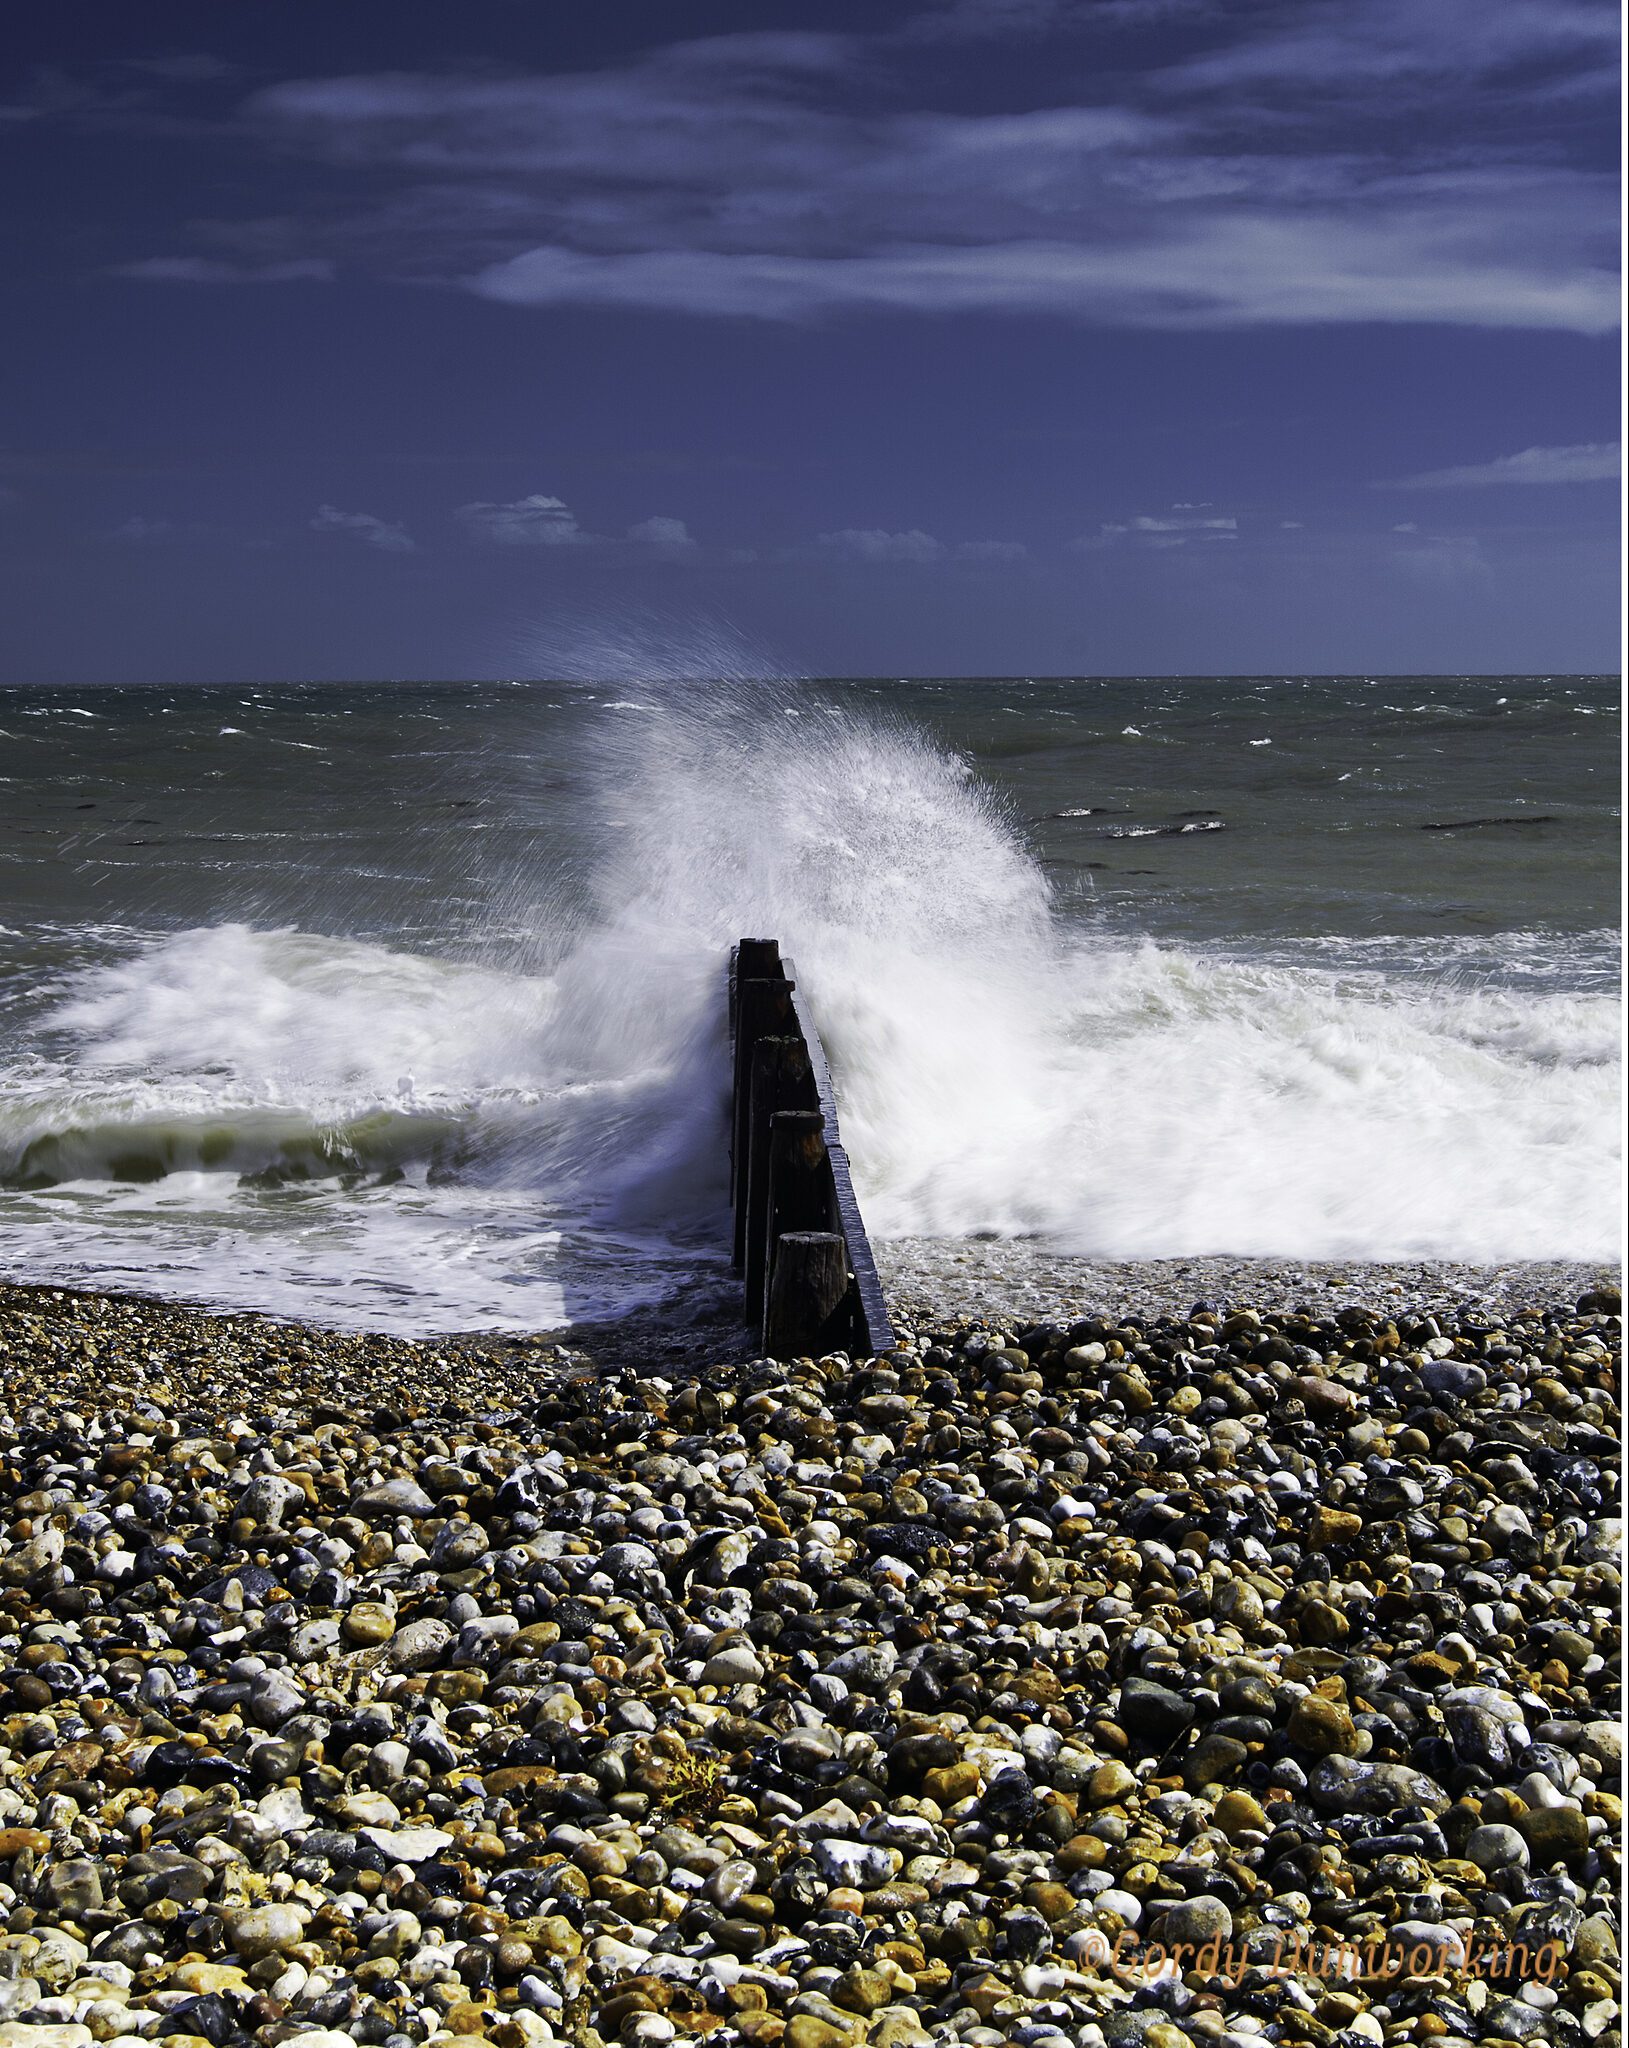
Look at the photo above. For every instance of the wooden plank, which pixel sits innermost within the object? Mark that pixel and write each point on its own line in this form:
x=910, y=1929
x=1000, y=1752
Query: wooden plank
x=876, y=1332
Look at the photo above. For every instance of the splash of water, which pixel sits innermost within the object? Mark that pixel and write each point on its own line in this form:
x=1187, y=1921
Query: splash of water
x=999, y=1074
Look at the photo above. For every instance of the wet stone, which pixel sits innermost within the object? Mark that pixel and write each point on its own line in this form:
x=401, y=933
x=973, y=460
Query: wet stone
x=1153, y=1713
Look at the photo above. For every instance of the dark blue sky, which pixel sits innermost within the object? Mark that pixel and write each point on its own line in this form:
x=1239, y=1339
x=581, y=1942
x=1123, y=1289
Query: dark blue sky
x=1064, y=336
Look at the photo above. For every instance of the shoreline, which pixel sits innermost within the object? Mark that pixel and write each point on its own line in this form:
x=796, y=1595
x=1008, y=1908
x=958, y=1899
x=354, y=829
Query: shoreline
x=1009, y=1282
x=1031, y=1278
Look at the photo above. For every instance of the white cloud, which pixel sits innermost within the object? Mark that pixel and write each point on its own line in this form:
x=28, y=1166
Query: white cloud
x=1319, y=161
x=873, y=544
x=363, y=526
x=1433, y=259
x=534, y=522
x=1219, y=525
x=1581, y=463
x=1169, y=530
x=541, y=521
x=144, y=530
x=1324, y=50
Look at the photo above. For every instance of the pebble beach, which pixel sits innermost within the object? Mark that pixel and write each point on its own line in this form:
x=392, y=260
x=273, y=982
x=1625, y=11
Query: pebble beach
x=1162, y=1657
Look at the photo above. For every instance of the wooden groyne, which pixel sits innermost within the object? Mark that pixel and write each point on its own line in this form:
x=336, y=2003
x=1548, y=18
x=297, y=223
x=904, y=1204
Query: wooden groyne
x=800, y=1247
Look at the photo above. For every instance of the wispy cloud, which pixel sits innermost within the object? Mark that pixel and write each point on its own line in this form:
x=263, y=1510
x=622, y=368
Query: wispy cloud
x=534, y=522
x=1179, y=524
x=363, y=526
x=1173, y=529
x=973, y=21
x=993, y=551
x=542, y=521
x=877, y=544
x=1443, y=561
x=1345, y=48
x=666, y=536
x=1305, y=163
x=1583, y=462
x=141, y=531
x=978, y=21
x=874, y=544
x=215, y=270
x=1407, y=265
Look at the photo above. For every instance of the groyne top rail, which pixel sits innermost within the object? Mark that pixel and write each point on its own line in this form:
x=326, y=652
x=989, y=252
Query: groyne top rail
x=800, y=1245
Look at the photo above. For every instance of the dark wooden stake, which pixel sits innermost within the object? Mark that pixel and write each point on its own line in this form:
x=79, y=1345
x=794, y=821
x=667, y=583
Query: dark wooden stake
x=798, y=1196
x=799, y=1177
x=753, y=960
x=807, y=1295
x=756, y=959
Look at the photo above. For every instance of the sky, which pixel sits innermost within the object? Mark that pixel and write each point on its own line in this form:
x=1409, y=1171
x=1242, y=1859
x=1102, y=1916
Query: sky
x=950, y=337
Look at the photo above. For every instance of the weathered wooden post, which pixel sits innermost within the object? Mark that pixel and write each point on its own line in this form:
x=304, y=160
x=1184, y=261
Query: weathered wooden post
x=752, y=960
x=806, y=1310
x=799, y=1177
x=763, y=1009
x=780, y=1079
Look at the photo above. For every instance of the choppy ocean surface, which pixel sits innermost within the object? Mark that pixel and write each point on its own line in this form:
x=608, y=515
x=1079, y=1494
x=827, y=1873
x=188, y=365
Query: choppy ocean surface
x=402, y=1006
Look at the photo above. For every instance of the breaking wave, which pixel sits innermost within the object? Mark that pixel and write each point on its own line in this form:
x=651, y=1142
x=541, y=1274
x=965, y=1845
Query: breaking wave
x=175, y=1115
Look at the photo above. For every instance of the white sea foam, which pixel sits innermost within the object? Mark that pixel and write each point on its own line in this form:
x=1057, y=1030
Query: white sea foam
x=1176, y=1103
x=1134, y=1100
x=373, y=1135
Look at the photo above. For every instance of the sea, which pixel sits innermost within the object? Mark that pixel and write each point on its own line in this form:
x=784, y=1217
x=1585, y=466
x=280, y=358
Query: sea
x=402, y=1006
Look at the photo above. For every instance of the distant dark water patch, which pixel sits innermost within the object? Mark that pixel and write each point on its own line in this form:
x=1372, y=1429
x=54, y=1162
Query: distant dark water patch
x=1486, y=824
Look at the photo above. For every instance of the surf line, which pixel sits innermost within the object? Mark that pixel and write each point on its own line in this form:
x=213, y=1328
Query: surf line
x=808, y=1275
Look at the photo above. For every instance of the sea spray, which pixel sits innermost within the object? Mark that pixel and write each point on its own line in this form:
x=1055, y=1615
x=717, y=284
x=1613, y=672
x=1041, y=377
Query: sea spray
x=1002, y=1073
x=873, y=855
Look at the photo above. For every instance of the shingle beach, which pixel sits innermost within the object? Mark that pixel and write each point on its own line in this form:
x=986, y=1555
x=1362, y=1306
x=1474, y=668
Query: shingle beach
x=1117, y=1670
